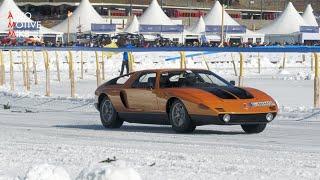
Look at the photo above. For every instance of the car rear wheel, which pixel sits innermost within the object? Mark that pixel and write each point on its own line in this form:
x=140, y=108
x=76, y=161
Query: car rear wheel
x=108, y=115
x=179, y=118
x=254, y=128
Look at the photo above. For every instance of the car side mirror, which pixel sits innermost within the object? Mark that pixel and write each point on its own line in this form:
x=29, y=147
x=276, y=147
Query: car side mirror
x=233, y=82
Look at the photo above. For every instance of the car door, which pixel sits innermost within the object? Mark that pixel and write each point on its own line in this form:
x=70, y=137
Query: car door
x=141, y=96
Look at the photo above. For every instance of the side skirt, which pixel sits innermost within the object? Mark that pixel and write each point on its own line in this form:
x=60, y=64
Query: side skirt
x=145, y=118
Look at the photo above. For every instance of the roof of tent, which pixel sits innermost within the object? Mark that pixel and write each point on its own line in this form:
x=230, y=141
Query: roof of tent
x=8, y=6
x=309, y=17
x=154, y=15
x=84, y=15
x=214, y=17
x=199, y=27
x=133, y=26
x=288, y=22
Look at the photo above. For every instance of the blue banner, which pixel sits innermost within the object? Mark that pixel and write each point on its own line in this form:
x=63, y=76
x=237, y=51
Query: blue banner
x=150, y=28
x=103, y=27
x=227, y=29
x=161, y=28
x=309, y=29
x=27, y=26
x=172, y=28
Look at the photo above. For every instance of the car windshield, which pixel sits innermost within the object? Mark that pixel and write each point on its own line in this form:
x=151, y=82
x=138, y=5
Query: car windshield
x=191, y=78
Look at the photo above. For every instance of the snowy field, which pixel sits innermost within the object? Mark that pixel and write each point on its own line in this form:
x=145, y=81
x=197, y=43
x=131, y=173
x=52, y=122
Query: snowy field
x=66, y=132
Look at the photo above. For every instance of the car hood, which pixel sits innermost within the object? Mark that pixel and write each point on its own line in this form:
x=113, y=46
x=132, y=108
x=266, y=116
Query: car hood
x=228, y=92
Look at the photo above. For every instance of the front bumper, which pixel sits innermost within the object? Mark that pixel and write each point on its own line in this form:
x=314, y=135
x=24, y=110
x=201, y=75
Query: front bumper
x=235, y=119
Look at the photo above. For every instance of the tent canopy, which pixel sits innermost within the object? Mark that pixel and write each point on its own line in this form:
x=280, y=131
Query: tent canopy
x=133, y=26
x=82, y=17
x=199, y=27
x=154, y=15
x=214, y=17
x=309, y=17
x=7, y=7
x=288, y=22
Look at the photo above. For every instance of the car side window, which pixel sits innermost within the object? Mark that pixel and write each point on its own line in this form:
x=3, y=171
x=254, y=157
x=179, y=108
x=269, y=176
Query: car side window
x=169, y=80
x=146, y=80
x=123, y=79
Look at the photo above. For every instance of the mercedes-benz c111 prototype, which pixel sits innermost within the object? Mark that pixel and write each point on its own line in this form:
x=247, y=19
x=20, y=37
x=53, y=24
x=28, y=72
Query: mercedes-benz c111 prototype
x=183, y=99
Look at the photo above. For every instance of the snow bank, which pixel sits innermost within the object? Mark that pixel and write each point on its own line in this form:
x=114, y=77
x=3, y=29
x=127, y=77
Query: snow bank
x=46, y=172
x=108, y=172
x=94, y=172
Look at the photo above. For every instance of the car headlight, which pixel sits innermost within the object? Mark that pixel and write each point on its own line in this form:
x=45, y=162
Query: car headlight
x=226, y=118
x=269, y=117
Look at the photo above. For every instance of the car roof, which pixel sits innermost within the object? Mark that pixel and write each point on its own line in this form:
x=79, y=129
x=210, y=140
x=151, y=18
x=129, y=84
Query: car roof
x=169, y=70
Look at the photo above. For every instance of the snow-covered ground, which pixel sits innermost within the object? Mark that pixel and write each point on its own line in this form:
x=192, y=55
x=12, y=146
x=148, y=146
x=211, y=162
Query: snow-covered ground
x=64, y=135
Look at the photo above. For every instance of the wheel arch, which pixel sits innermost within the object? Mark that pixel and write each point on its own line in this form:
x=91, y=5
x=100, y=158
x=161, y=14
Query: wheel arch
x=170, y=102
x=101, y=97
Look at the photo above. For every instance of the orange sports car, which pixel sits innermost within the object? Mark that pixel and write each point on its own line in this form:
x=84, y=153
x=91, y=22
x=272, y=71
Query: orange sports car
x=183, y=99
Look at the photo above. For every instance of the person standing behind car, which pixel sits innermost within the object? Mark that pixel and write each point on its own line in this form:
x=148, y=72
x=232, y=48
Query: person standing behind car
x=125, y=60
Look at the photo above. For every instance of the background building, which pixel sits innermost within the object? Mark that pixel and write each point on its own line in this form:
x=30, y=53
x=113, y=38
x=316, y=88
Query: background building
x=252, y=13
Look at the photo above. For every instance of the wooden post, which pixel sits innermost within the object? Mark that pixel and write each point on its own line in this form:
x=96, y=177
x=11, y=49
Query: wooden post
x=81, y=58
x=284, y=61
x=11, y=71
x=312, y=62
x=131, y=62
x=72, y=80
x=34, y=69
x=102, y=66
x=241, y=71
x=47, y=67
x=2, y=70
x=98, y=75
x=183, y=60
x=27, y=71
x=23, y=70
x=259, y=64
x=203, y=59
x=234, y=65
x=58, y=66
x=316, y=82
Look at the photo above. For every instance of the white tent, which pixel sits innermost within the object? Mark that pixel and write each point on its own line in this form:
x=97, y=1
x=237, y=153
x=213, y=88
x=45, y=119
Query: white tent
x=8, y=6
x=214, y=17
x=288, y=22
x=133, y=26
x=83, y=17
x=154, y=15
x=309, y=17
x=199, y=27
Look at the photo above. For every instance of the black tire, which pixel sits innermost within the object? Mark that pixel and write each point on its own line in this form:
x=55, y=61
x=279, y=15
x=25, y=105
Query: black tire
x=180, y=119
x=254, y=128
x=108, y=115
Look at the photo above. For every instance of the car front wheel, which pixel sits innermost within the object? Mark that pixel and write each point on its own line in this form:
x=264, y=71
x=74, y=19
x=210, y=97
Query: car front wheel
x=179, y=118
x=253, y=128
x=108, y=115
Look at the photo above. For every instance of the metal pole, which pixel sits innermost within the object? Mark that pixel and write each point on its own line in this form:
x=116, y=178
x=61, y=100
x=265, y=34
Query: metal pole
x=130, y=8
x=316, y=83
x=68, y=33
x=261, y=7
x=222, y=27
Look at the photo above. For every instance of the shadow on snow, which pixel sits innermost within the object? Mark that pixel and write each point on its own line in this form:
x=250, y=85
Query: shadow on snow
x=147, y=129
